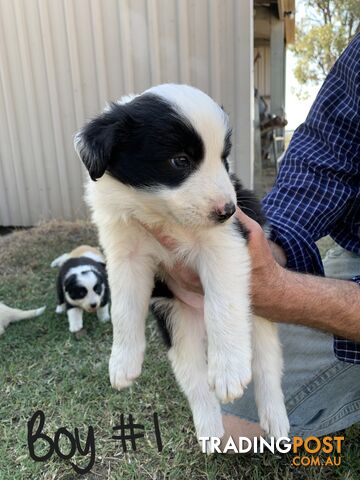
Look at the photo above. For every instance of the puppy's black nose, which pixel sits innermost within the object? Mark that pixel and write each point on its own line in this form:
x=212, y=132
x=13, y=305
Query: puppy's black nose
x=93, y=305
x=226, y=212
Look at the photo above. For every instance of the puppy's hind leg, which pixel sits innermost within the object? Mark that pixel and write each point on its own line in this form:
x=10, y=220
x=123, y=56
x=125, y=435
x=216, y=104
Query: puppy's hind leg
x=267, y=372
x=59, y=261
x=61, y=306
x=187, y=355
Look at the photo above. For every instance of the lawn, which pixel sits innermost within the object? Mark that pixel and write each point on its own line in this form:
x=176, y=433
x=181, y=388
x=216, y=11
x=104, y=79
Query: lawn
x=43, y=366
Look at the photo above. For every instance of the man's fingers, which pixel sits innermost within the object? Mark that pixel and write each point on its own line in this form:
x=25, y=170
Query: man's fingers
x=249, y=223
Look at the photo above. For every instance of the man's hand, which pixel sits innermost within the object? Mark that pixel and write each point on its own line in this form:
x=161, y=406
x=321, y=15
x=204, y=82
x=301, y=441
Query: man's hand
x=266, y=260
x=185, y=284
x=284, y=296
x=279, y=294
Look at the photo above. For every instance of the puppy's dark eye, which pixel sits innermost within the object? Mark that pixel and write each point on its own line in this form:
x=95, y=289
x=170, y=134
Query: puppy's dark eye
x=97, y=288
x=182, y=162
x=79, y=292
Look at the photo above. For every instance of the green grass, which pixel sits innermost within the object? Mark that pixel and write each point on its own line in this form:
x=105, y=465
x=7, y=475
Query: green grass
x=42, y=366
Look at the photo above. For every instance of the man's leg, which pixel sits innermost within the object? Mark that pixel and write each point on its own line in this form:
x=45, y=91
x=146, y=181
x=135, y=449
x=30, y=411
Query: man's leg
x=322, y=393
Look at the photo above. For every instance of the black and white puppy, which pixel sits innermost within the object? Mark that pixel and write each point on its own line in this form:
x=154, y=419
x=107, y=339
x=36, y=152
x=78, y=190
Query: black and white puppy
x=82, y=285
x=159, y=160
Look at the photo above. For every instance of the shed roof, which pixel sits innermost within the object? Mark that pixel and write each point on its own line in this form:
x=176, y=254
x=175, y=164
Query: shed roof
x=283, y=10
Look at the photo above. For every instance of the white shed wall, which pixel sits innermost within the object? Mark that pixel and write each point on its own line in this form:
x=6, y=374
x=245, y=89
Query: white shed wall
x=262, y=70
x=61, y=60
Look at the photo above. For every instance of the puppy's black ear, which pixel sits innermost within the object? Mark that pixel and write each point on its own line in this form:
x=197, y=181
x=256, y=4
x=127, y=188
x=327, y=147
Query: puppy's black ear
x=94, y=143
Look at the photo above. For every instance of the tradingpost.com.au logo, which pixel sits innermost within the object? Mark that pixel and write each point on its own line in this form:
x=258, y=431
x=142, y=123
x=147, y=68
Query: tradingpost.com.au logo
x=309, y=451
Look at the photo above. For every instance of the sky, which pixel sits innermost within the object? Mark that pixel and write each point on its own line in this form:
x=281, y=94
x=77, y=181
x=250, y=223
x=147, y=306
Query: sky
x=296, y=110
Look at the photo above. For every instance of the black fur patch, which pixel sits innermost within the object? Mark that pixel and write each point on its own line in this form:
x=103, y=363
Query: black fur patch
x=74, y=290
x=136, y=141
x=227, y=149
x=161, y=290
x=244, y=232
x=249, y=204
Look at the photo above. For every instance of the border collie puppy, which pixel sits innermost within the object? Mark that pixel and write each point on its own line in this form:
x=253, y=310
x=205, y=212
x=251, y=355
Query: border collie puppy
x=160, y=160
x=82, y=285
x=9, y=315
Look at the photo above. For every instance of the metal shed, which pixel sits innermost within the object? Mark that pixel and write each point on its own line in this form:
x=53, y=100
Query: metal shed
x=62, y=60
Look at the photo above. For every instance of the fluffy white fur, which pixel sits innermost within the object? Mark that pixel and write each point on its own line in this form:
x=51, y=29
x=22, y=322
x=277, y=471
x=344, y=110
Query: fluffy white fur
x=214, y=351
x=9, y=315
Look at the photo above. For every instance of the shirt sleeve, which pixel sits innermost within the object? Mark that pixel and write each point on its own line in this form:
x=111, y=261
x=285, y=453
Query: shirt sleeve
x=319, y=175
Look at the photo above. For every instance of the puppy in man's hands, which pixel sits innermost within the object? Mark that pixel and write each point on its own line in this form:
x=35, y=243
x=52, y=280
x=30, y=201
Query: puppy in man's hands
x=159, y=163
x=82, y=285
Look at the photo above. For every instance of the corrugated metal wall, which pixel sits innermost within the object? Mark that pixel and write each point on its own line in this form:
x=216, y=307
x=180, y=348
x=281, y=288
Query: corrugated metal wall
x=61, y=60
x=262, y=70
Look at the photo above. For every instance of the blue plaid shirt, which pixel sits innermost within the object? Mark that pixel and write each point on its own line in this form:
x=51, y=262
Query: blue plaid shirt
x=317, y=191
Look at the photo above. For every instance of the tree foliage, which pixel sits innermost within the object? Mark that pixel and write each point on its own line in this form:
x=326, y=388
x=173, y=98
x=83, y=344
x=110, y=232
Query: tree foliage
x=326, y=29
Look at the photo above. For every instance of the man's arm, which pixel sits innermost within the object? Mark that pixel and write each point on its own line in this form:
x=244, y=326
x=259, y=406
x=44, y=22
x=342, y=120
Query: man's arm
x=327, y=304
x=279, y=294
x=316, y=191
x=284, y=296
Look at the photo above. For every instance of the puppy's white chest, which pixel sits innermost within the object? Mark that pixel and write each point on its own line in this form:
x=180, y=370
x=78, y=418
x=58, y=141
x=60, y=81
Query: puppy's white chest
x=173, y=247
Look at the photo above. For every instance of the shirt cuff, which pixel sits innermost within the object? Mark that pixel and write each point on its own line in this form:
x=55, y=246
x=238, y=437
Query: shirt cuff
x=302, y=254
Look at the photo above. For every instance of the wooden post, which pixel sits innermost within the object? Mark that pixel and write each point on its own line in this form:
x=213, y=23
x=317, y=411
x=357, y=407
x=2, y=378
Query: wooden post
x=277, y=66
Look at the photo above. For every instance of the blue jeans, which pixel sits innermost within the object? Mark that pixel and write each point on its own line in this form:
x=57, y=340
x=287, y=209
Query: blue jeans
x=322, y=394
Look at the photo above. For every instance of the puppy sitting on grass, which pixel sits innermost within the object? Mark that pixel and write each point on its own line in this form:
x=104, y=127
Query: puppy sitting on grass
x=82, y=285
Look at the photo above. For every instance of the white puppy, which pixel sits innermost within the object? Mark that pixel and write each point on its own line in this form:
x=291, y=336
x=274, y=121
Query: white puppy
x=9, y=315
x=160, y=161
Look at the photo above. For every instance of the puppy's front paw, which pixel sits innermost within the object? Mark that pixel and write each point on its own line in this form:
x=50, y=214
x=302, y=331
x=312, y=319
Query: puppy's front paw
x=274, y=420
x=124, y=366
x=229, y=375
x=60, y=309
